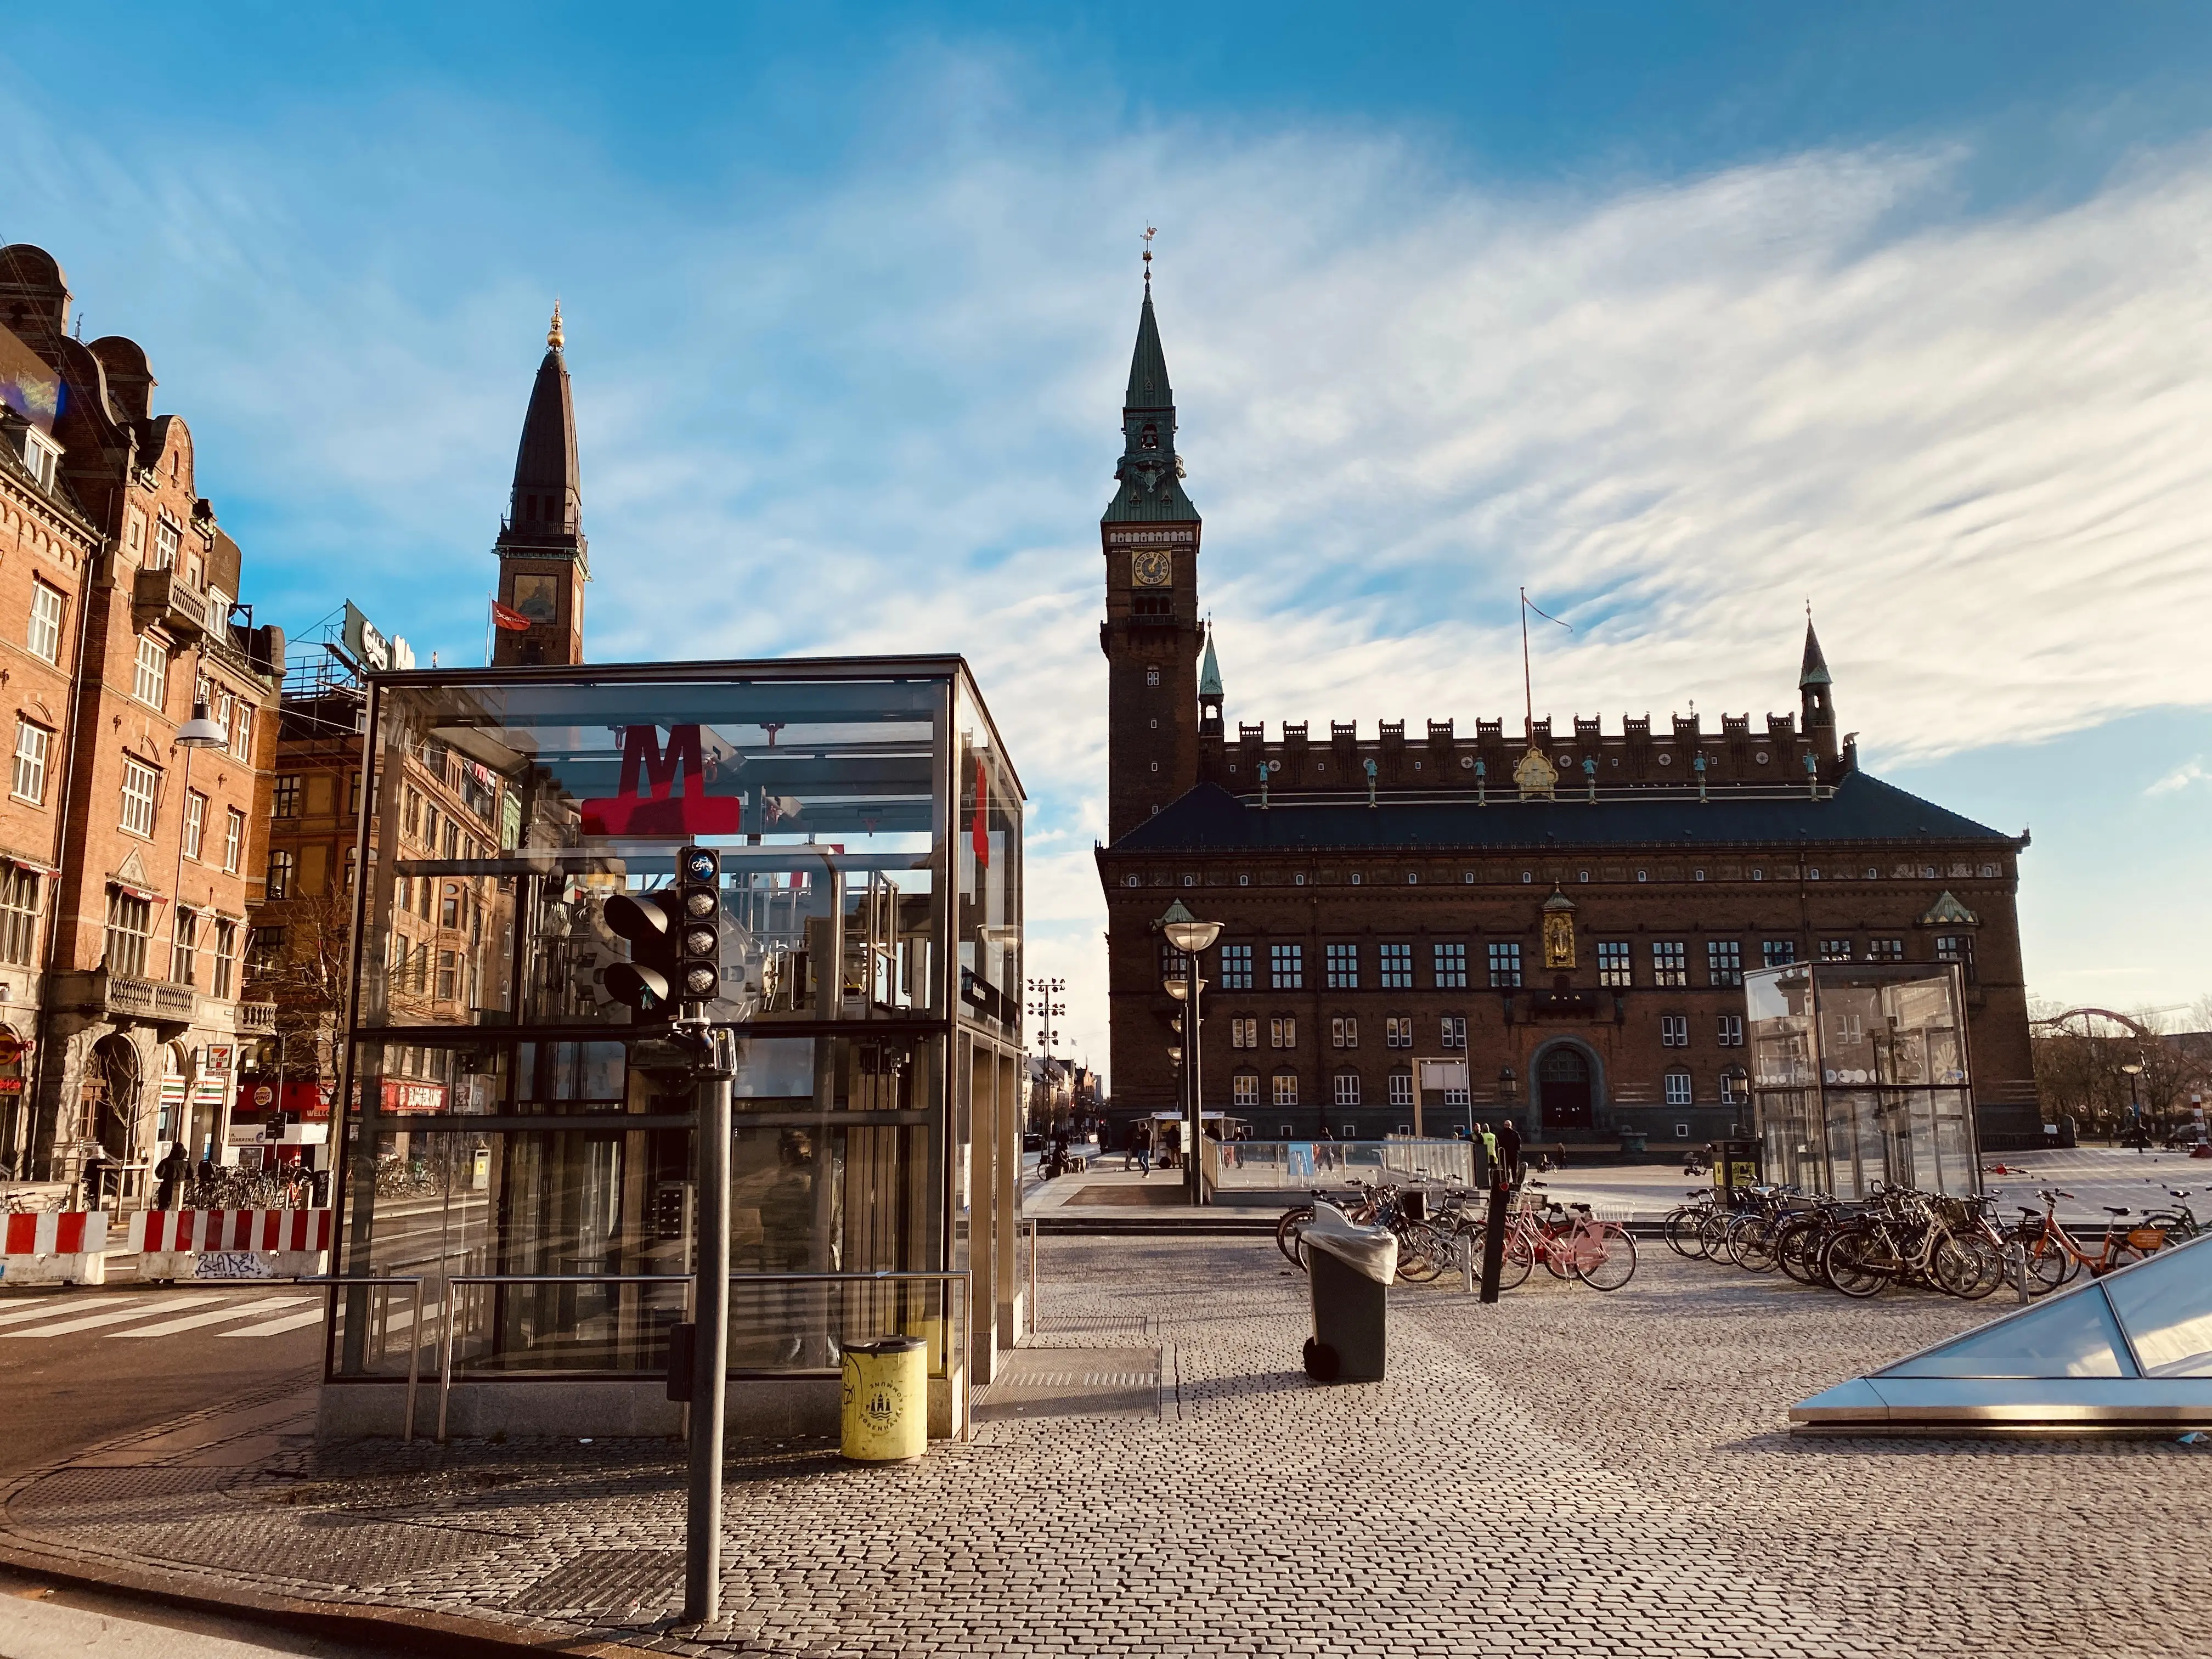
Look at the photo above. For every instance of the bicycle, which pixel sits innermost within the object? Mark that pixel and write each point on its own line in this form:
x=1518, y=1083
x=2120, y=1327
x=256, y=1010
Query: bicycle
x=2054, y=1256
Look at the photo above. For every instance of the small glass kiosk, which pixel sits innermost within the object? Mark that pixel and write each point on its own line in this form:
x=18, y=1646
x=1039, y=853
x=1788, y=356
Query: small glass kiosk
x=1859, y=1074
x=535, y=1169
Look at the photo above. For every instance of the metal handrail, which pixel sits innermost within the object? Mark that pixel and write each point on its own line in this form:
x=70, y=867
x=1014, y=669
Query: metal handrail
x=414, y=1283
x=964, y=1277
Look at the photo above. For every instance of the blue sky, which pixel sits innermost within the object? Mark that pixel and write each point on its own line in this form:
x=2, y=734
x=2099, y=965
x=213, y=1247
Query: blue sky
x=1680, y=315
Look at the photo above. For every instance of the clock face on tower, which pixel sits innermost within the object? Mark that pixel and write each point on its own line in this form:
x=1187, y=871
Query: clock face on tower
x=1152, y=567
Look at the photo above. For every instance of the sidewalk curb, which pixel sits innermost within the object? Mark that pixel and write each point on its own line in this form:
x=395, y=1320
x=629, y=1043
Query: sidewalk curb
x=420, y=1631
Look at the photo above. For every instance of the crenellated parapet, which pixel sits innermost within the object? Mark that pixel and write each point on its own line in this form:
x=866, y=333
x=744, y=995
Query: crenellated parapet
x=1682, y=756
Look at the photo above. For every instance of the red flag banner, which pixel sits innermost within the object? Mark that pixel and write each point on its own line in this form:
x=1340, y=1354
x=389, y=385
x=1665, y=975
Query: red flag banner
x=513, y=621
x=979, y=834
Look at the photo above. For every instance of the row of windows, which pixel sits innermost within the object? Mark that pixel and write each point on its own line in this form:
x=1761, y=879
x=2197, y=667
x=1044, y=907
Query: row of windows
x=1398, y=1031
x=130, y=935
x=1345, y=1089
x=1670, y=962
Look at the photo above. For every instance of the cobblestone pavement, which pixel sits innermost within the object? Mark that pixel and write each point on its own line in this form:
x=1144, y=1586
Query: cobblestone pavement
x=1565, y=1472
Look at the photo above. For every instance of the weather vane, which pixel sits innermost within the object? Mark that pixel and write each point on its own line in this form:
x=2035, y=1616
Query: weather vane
x=1151, y=231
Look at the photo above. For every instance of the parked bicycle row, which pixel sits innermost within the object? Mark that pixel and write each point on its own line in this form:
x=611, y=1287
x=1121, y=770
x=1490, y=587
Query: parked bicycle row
x=1899, y=1235
x=1450, y=1235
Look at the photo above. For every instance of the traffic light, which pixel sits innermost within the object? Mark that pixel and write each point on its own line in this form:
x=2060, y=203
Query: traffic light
x=647, y=980
x=699, y=937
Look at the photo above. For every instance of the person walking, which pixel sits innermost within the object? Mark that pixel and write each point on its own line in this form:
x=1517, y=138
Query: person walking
x=1489, y=1138
x=168, y=1173
x=1507, y=1142
x=1140, y=1143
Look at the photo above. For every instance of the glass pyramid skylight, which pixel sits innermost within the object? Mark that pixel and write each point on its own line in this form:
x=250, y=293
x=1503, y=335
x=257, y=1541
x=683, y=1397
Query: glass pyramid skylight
x=2132, y=1349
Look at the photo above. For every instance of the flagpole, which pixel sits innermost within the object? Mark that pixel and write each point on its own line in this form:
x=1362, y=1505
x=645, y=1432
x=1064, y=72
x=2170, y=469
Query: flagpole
x=1527, y=683
x=491, y=599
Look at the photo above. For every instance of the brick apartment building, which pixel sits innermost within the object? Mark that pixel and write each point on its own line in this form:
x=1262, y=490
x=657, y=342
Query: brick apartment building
x=129, y=862
x=448, y=808
x=1552, y=927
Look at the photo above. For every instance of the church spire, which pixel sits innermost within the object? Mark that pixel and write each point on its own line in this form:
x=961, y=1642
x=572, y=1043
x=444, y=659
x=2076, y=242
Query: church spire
x=1815, y=670
x=543, y=559
x=1149, y=471
x=1815, y=694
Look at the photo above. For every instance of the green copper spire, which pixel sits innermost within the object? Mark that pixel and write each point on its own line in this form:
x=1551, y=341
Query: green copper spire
x=1815, y=670
x=1209, y=671
x=1151, y=472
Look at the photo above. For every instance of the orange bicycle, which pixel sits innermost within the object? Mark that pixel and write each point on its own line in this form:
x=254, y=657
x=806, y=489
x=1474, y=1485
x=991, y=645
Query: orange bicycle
x=2055, y=1256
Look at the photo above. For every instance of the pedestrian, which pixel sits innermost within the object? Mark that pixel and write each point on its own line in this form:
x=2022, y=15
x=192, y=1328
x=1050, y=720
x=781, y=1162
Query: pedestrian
x=168, y=1173
x=94, y=1177
x=1140, y=1142
x=1488, y=1137
x=1508, y=1153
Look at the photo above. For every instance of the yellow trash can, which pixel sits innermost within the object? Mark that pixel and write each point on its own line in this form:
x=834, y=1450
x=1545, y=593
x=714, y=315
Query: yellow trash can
x=887, y=1405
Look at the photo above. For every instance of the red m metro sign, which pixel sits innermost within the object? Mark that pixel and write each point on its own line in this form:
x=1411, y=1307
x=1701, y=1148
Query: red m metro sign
x=675, y=805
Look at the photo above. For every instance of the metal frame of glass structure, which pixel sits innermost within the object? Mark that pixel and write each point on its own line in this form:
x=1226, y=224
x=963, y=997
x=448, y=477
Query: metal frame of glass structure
x=2130, y=1351
x=504, y=1123
x=1860, y=1074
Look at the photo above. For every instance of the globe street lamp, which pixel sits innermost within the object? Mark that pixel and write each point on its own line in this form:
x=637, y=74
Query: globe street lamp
x=1190, y=938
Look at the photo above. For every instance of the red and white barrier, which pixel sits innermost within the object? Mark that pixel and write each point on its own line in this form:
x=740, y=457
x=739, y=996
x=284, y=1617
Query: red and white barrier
x=68, y=1247
x=231, y=1244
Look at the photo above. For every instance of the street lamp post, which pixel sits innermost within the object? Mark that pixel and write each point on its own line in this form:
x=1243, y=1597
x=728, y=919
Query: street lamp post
x=2131, y=1071
x=1191, y=938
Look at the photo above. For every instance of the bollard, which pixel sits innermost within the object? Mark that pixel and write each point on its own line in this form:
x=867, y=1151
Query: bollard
x=2016, y=1260
x=1494, y=1241
x=1467, y=1265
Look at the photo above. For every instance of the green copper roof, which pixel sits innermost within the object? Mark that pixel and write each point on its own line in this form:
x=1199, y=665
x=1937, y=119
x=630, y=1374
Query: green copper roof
x=1148, y=364
x=1150, y=472
x=1815, y=672
x=1209, y=671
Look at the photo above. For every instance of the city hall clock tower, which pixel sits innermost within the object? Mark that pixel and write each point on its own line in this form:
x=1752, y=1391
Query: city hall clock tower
x=1150, y=535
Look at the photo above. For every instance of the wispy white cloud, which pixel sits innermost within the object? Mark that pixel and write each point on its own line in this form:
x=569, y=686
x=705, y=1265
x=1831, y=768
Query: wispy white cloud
x=882, y=414
x=2191, y=771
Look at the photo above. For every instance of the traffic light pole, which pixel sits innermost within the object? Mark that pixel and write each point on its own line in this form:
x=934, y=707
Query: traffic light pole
x=702, y=1517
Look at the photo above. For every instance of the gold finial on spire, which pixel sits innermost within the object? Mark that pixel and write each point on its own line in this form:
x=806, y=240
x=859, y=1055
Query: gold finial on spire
x=1151, y=231
x=553, y=336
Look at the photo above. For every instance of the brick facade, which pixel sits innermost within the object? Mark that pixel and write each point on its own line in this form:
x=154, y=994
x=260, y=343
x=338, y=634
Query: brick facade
x=117, y=613
x=1400, y=881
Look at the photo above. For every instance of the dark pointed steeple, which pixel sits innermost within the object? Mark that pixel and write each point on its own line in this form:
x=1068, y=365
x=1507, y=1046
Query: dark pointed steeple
x=1151, y=472
x=1815, y=670
x=543, y=559
x=547, y=502
x=1816, y=695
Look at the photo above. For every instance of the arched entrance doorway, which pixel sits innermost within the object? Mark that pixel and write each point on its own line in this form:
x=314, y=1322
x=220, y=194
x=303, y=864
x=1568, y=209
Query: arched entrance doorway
x=1563, y=1089
x=111, y=1094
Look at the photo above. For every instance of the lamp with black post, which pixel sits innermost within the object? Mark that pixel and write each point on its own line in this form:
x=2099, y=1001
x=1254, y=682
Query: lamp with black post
x=2131, y=1071
x=1190, y=938
x=196, y=733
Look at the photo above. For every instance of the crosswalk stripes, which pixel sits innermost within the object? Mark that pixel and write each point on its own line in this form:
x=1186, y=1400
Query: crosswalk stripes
x=113, y=1316
x=250, y=1314
x=240, y=1310
x=279, y=1325
x=49, y=1308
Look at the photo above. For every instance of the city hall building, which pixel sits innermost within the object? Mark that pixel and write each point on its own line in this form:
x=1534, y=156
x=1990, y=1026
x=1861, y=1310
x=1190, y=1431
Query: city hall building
x=1433, y=927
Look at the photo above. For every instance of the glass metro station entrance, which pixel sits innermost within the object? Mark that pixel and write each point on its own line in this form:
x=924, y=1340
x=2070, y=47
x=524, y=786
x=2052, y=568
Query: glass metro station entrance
x=869, y=826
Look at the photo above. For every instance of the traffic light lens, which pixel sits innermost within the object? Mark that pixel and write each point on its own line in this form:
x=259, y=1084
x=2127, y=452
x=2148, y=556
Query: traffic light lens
x=699, y=864
x=700, y=905
x=699, y=941
x=701, y=981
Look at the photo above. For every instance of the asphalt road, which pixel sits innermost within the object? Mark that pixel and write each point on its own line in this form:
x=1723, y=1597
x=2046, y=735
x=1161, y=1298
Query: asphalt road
x=79, y=1366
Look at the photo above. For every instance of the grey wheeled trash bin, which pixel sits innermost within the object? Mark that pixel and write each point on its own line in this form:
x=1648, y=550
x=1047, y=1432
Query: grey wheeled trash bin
x=1350, y=1268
